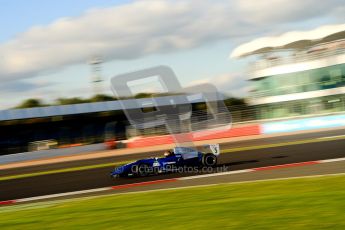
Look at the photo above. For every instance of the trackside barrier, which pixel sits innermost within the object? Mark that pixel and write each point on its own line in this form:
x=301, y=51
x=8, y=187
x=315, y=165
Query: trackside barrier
x=197, y=136
x=332, y=121
x=303, y=124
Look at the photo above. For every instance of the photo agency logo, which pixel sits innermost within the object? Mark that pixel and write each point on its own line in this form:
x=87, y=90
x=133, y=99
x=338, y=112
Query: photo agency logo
x=146, y=170
x=173, y=107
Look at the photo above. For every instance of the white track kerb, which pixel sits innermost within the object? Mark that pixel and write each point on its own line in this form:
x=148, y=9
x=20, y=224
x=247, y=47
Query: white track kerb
x=146, y=183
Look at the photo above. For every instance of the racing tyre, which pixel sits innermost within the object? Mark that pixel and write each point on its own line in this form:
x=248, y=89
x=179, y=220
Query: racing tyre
x=115, y=176
x=209, y=160
x=143, y=170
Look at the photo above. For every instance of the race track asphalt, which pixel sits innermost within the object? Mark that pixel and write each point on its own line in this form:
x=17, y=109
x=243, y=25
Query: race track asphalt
x=99, y=177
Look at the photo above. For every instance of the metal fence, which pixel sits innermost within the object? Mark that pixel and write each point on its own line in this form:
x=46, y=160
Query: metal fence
x=244, y=114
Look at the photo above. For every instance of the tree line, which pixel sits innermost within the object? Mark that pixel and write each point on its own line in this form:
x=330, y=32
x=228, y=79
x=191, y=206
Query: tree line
x=34, y=102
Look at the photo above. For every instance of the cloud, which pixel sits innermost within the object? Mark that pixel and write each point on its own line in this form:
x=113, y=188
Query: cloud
x=14, y=92
x=22, y=86
x=283, y=11
x=147, y=27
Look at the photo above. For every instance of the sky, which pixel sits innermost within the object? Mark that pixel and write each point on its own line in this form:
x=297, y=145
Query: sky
x=45, y=46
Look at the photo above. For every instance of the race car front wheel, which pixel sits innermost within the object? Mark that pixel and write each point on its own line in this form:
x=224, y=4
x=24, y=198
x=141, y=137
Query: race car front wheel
x=209, y=160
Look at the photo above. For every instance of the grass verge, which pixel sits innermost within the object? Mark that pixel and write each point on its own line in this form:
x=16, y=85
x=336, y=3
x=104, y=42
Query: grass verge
x=304, y=203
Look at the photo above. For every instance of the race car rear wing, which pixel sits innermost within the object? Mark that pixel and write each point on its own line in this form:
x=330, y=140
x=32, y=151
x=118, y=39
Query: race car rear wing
x=213, y=147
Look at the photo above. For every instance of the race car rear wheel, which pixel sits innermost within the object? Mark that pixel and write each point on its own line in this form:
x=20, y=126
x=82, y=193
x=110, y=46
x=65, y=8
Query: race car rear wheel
x=209, y=160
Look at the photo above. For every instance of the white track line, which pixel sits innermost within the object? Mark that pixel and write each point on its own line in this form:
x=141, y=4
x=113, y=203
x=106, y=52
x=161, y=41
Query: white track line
x=331, y=137
x=63, y=194
x=215, y=174
x=332, y=160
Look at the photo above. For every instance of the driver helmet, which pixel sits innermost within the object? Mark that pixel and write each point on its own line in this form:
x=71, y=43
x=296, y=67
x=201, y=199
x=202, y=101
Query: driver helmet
x=168, y=153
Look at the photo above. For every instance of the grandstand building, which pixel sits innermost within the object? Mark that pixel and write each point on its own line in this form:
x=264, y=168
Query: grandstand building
x=297, y=73
x=67, y=125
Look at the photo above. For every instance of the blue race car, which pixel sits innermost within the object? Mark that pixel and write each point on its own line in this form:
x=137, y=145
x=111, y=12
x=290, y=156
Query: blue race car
x=171, y=162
